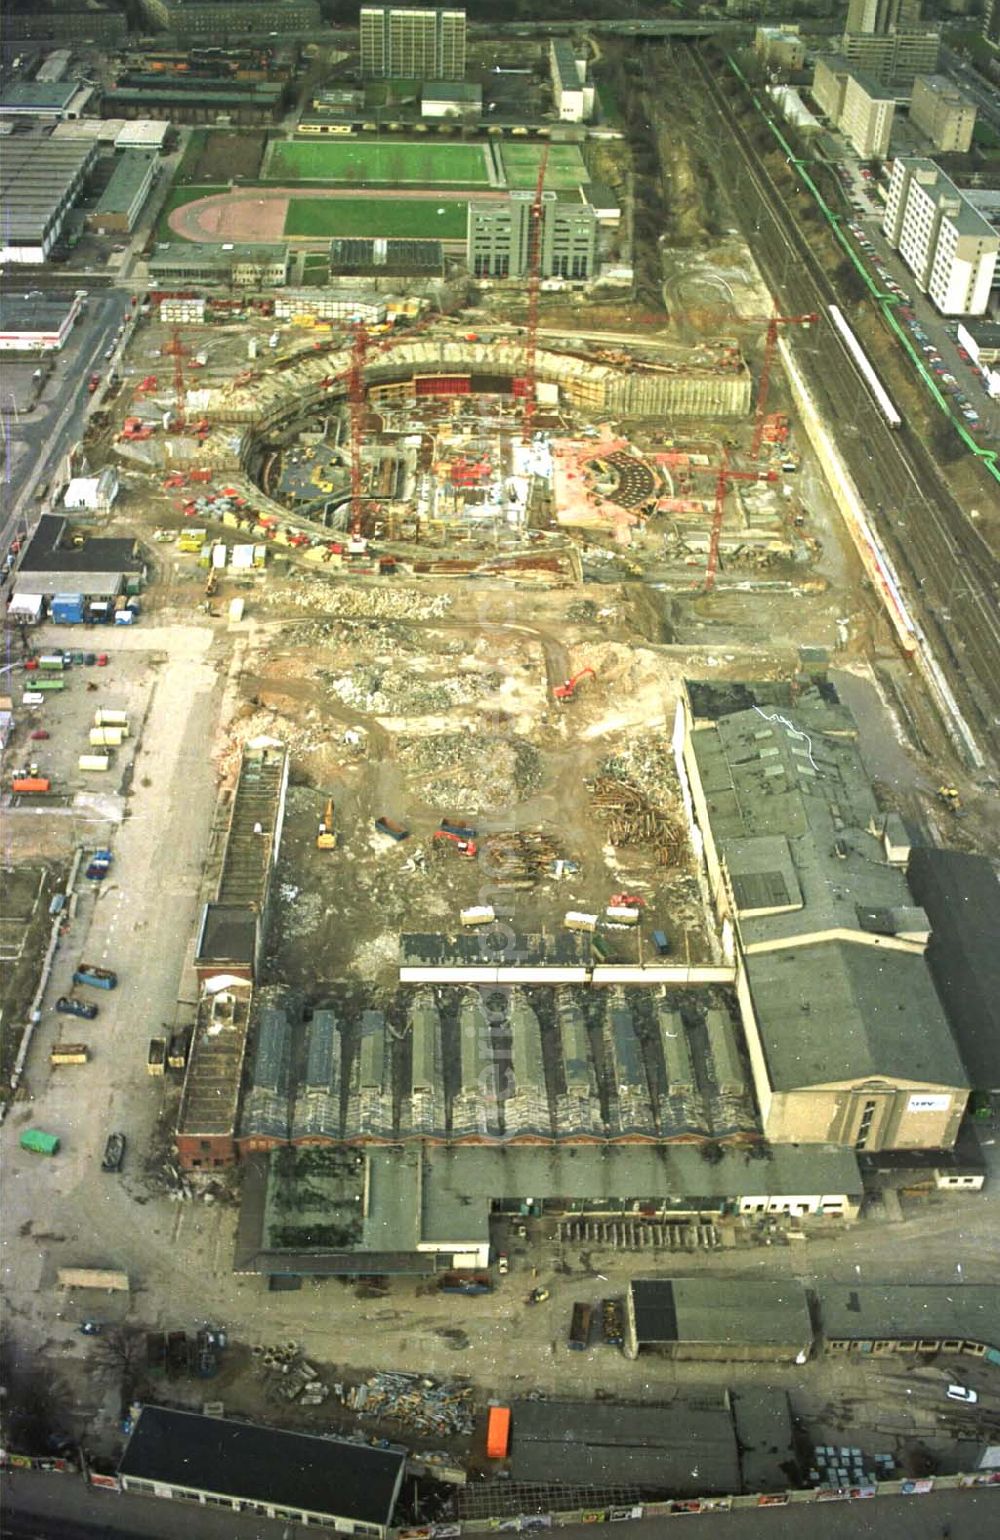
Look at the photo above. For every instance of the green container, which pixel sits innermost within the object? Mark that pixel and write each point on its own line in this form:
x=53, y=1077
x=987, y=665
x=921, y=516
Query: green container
x=39, y=1143
x=49, y=682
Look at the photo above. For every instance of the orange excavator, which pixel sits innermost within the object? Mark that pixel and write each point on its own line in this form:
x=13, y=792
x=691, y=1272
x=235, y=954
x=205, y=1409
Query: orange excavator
x=567, y=690
x=465, y=847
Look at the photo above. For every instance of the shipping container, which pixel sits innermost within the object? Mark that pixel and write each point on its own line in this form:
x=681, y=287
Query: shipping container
x=498, y=1433
x=106, y=737
x=579, y=1331
x=69, y=1053
x=93, y=762
x=52, y=662
x=50, y=684
x=105, y=718
x=39, y=1143
x=32, y=698
x=28, y=785
x=103, y=1278
x=67, y=609
x=576, y=920
x=156, y=1056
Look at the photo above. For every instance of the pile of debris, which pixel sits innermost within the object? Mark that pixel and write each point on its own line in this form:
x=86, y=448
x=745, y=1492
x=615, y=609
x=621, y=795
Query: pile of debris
x=644, y=763
x=357, y=602
x=520, y=857
x=414, y=1401
x=632, y=820
x=286, y=1374
x=391, y=691
x=476, y=771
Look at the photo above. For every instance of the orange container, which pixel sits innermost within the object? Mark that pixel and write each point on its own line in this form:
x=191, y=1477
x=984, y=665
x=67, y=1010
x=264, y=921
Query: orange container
x=30, y=783
x=498, y=1433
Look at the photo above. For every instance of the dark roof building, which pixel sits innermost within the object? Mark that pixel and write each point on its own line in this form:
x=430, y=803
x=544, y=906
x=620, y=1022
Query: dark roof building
x=910, y=1318
x=685, y=1448
x=702, y=1318
x=275, y=1474
x=355, y=257
x=961, y=895
x=98, y=569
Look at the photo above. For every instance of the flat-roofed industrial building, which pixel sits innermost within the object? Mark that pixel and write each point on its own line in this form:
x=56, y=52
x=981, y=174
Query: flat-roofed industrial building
x=40, y=180
x=721, y=1320
x=270, y=1472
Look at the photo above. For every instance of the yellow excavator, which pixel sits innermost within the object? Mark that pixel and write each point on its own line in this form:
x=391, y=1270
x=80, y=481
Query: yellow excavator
x=326, y=839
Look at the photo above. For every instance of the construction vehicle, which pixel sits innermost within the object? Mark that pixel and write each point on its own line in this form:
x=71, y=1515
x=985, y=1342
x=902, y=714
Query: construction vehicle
x=100, y=862
x=949, y=797
x=537, y=1296
x=326, y=839
x=466, y=1283
x=579, y=1331
x=567, y=690
x=467, y=848
x=462, y=830
x=97, y=978
x=626, y=901
x=134, y=430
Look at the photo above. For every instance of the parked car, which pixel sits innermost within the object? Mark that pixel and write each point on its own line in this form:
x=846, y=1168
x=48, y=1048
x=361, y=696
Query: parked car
x=962, y=1393
x=39, y=733
x=90, y=1328
x=67, y=1006
x=114, y=1153
x=503, y=1264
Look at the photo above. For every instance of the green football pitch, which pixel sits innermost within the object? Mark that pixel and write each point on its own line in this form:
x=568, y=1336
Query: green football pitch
x=565, y=169
x=378, y=161
x=390, y=218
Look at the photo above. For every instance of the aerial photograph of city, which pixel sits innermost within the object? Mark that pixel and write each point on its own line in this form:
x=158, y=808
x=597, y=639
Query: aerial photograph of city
x=500, y=789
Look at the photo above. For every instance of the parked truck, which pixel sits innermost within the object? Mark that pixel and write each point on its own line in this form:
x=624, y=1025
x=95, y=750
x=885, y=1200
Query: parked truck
x=97, y=978
x=579, y=1330
x=394, y=830
x=156, y=1056
x=99, y=865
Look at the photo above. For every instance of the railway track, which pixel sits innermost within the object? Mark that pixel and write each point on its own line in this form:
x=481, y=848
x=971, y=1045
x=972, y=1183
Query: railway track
x=933, y=542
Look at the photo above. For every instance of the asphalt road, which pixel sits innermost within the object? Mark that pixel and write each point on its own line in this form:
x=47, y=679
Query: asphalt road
x=39, y=1507
x=39, y=439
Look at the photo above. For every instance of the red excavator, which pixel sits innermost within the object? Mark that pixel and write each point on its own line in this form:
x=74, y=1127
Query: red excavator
x=465, y=847
x=567, y=690
x=627, y=901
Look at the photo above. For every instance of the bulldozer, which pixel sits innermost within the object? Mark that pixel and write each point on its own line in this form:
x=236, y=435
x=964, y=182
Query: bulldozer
x=326, y=839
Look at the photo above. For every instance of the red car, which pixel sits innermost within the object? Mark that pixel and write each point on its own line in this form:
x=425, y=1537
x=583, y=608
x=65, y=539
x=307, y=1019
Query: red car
x=39, y=733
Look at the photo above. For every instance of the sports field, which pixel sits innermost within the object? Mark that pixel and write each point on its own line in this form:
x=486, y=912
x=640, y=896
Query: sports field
x=378, y=160
x=565, y=169
x=373, y=217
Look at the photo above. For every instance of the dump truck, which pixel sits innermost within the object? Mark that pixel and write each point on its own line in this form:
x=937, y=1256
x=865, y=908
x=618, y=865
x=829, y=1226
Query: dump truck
x=69, y=1053
x=579, y=1330
x=156, y=1056
x=177, y=1053
x=39, y=1143
x=97, y=978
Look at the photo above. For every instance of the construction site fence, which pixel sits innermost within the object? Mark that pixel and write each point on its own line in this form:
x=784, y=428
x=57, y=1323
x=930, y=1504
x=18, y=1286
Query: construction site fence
x=524, y=1523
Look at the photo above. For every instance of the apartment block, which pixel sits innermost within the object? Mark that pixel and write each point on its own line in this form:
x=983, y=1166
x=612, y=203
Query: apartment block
x=949, y=247
x=829, y=85
x=942, y=112
x=895, y=58
x=780, y=48
x=573, y=97
x=411, y=43
x=866, y=119
x=881, y=16
x=499, y=238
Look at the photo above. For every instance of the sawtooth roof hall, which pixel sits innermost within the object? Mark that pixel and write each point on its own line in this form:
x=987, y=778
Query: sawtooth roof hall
x=846, y=1034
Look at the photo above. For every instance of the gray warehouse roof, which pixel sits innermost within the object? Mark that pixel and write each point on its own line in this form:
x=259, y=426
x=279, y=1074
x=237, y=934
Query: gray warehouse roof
x=36, y=179
x=720, y=1311
x=686, y=1446
x=127, y=178
x=880, y=1009
x=874, y=1312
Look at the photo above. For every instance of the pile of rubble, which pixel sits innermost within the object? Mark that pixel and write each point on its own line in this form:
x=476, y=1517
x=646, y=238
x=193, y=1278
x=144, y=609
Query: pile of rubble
x=287, y=1375
x=444, y=1409
x=632, y=820
x=519, y=857
x=389, y=691
x=356, y=602
x=645, y=763
x=478, y=772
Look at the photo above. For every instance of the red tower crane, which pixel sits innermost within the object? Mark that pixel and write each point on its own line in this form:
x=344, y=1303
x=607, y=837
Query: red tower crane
x=770, y=344
x=175, y=350
x=529, y=383
x=723, y=476
x=356, y=400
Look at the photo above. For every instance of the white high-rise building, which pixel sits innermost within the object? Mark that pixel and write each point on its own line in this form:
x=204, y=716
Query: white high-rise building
x=949, y=247
x=412, y=43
